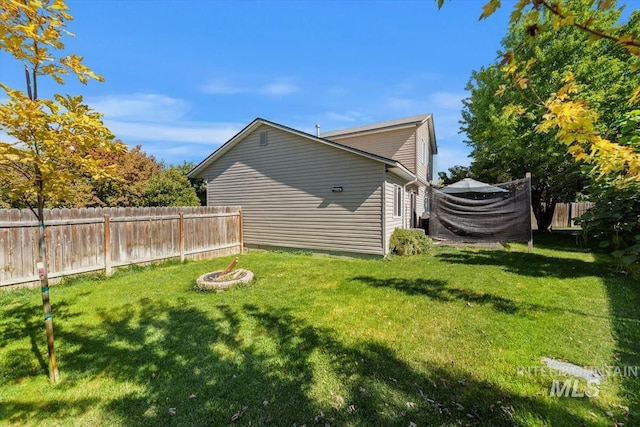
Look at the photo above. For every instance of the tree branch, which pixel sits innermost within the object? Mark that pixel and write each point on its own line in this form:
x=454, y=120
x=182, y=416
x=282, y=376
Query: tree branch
x=555, y=9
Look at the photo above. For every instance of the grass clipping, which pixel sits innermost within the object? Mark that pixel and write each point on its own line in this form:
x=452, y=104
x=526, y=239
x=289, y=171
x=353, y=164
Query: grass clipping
x=409, y=242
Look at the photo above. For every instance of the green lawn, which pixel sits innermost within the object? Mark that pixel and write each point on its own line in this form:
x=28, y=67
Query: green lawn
x=315, y=341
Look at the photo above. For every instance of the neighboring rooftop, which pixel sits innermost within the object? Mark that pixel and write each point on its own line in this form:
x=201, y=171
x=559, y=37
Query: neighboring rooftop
x=391, y=124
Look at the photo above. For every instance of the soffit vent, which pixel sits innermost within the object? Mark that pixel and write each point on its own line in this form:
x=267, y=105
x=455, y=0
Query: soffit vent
x=264, y=138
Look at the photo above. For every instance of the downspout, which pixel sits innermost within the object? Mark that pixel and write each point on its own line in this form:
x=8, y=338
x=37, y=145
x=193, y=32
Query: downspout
x=384, y=211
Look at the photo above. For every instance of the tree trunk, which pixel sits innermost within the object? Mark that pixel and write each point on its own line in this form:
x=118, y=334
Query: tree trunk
x=43, y=273
x=543, y=211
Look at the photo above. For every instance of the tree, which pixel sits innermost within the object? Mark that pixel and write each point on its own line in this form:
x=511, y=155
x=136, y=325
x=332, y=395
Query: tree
x=513, y=133
x=614, y=221
x=170, y=187
x=49, y=140
x=132, y=171
x=574, y=121
x=199, y=184
x=456, y=173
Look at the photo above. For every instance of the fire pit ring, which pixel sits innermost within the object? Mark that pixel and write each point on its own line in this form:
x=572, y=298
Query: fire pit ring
x=219, y=281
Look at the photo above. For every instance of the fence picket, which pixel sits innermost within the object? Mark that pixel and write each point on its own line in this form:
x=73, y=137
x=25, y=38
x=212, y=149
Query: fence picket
x=76, y=238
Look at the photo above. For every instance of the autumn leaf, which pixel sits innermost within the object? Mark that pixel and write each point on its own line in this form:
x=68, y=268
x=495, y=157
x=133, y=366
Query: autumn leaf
x=489, y=8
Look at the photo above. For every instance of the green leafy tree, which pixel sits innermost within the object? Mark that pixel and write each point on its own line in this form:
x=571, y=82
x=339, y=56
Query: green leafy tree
x=199, y=184
x=133, y=169
x=171, y=187
x=614, y=221
x=455, y=174
x=49, y=140
x=505, y=131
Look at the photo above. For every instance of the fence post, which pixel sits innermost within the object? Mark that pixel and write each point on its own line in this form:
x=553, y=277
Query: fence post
x=530, y=242
x=107, y=246
x=181, y=236
x=241, y=236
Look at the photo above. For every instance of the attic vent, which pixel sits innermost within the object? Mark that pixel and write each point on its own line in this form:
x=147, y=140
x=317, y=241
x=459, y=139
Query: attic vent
x=264, y=138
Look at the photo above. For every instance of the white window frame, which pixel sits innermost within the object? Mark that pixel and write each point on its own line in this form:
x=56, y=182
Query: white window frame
x=423, y=159
x=397, y=201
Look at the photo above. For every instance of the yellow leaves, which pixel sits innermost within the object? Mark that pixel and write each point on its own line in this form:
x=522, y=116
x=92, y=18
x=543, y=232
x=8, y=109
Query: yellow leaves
x=516, y=14
x=635, y=96
x=512, y=109
x=575, y=126
x=74, y=63
x=31, y=31
x=522, y=82
x=53, y=138
x=10, y=157
x=606, y=4
x=489, y=8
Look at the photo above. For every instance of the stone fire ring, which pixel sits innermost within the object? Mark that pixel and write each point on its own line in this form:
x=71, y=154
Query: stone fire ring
x=216, y=281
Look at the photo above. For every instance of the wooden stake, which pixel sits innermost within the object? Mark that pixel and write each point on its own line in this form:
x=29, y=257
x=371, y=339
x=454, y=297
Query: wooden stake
x=241, y=220
x=230, y=267
x=54, y=375
x=530, y=243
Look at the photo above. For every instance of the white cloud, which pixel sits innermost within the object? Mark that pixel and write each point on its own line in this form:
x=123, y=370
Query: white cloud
x=446, y=100
x=140, y=106
x=276, y=88
x=222, y=88
x=157, y=117
x=178, y=132
x=402, y=103
x=347, y=116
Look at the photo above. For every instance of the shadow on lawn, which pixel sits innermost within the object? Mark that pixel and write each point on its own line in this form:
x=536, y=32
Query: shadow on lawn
x=623, y=294
x=255, y=365
x=439, y=291
x=624, y=303
x=526, y=264
x=20, y=320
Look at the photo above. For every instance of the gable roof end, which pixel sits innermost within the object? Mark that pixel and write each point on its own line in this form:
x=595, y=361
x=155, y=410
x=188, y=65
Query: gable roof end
x=392, y=165
x=413, y=121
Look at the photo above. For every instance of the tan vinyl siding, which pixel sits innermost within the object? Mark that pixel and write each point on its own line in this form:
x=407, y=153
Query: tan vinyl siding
x=285, y=190
x=396, y=144
x=391, y=221
x=423, y=135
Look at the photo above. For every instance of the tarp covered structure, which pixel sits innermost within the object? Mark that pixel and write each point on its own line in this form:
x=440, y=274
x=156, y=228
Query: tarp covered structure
x=472, y=211
x=470, y=187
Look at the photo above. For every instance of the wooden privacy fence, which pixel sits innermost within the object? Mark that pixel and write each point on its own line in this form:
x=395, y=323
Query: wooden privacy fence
x=92, y=239
x=564, y=214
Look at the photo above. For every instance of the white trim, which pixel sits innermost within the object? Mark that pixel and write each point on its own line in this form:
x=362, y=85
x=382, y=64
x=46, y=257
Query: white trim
x=398, y=190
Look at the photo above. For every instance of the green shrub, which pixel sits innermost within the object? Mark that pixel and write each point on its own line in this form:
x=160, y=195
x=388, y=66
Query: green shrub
x=409, y=242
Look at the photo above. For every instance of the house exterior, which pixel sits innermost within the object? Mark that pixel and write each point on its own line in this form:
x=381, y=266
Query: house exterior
x=412, y=142
x=302, y=191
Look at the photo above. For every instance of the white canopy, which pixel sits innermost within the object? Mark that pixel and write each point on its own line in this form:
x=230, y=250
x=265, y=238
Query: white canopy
x=469, y=185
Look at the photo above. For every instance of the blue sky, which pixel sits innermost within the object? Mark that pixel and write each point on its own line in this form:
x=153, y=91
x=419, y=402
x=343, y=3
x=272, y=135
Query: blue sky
x=184, y=76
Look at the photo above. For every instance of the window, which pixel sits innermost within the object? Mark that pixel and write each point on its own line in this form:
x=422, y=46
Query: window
x=423, y=159
x=397, y=201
